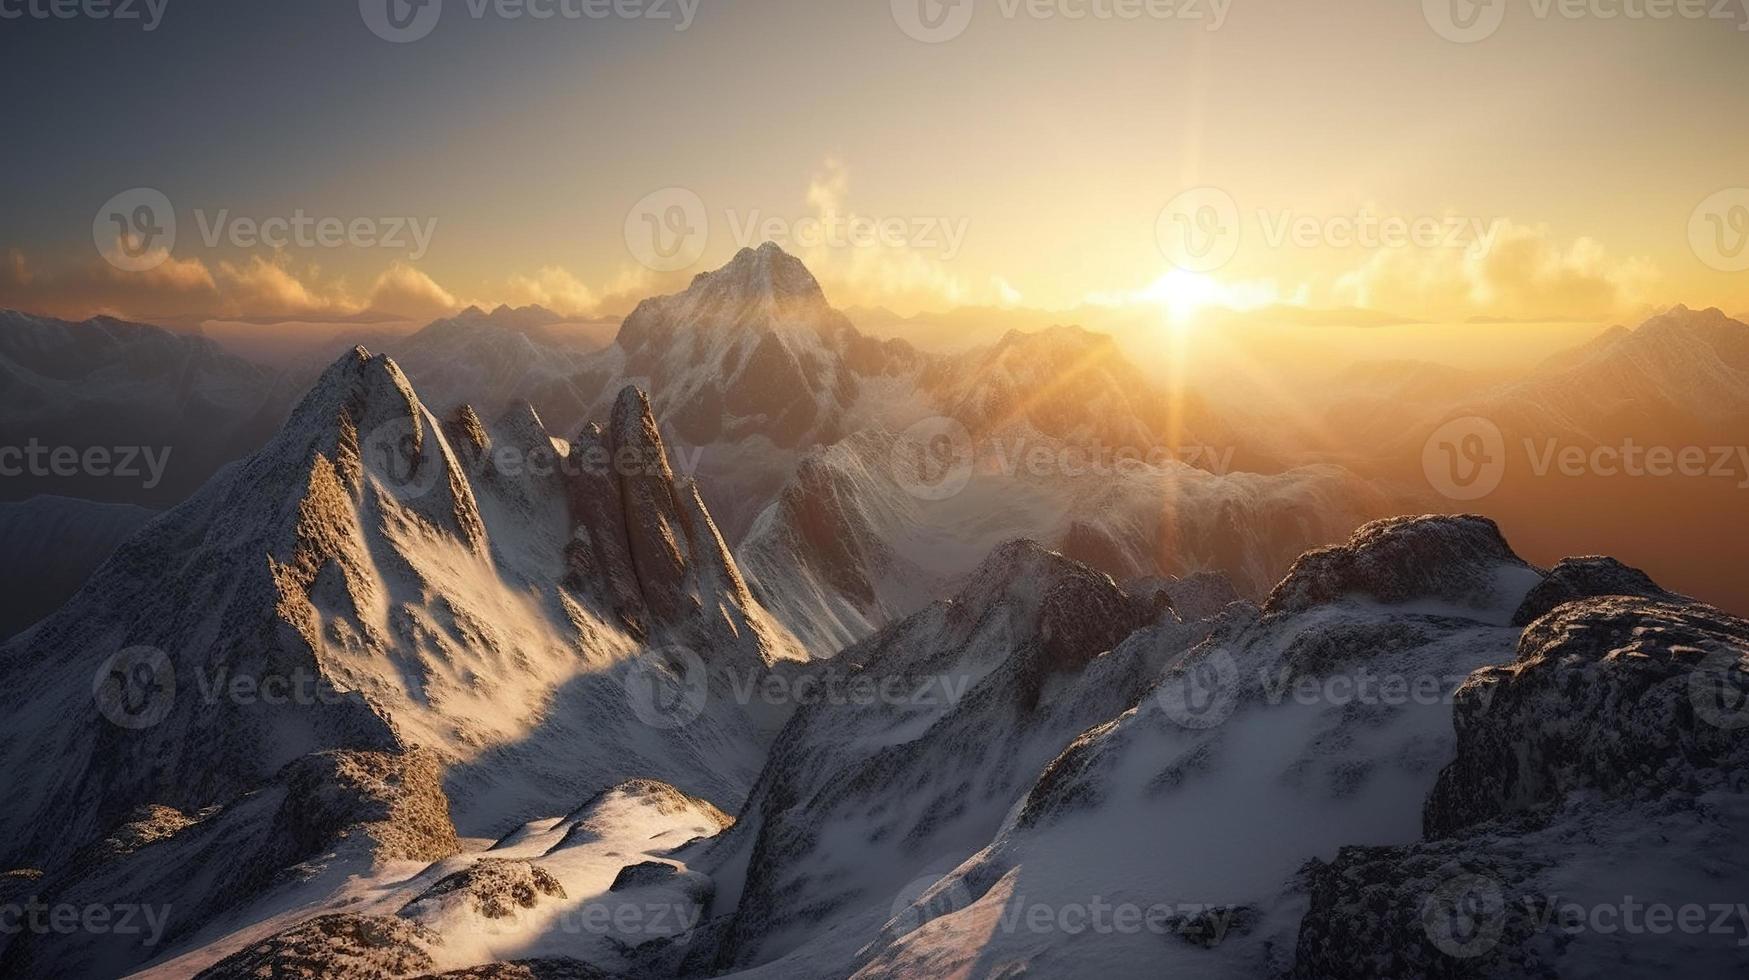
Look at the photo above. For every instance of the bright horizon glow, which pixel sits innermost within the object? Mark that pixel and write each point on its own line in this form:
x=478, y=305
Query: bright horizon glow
x=531, y=145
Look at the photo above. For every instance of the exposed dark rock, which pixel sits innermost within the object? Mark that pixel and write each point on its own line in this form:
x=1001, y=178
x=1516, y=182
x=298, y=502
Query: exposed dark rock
x=643, y=874
x=1586, y=578
x=145, y=825
x=1617, y=742
x=1212, y=926
x=1199, y=595
x=493, y=888
x=1622, y=696
x=394, y=799
x=539, y=969
x=1399, y=559
x=342, y=946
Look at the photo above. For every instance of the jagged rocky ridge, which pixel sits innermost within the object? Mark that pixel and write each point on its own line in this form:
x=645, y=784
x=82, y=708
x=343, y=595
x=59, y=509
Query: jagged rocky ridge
x=377, y=584
x=1035, y=733
x=1603, y=766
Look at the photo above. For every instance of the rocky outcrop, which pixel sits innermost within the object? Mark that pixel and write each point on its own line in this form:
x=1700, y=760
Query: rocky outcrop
x=1623, y=697
x=1454, y=559
x=1199, y=595
x=313, y=655
x=491, y=888
x=342, y=946
x=1573, y=579
x=960, y=703
x=643, y=541
x=375, y=806
x=1615, y=744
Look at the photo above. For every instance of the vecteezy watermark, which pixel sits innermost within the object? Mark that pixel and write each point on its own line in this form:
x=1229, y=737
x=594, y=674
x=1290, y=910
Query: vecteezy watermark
x=668, y=230
x=403, y=21
x=924, y=899
x=148, y=13
x=1467, y=458
x=404, y=454
x=135, y=230
x=1203, y=691
x=1467, y=915
x=1719, y=690
x=1360, y=686
x=1201, y=230
x=606, y=918
x=1718, y=230
x=34, y=459
x=301, y=687
x=135, y=688
x=301, y=230
x=669, y=686
x=1464, y=916
x=936, y=458
x=40, y=918
x=939, y=21
x=932, y=896
x=1470, y=21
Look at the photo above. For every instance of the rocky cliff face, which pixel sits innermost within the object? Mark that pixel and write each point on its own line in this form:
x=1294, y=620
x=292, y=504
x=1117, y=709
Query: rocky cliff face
x=1598, y=773
x=965, y=699
x=1452, y=559
x=377, y=584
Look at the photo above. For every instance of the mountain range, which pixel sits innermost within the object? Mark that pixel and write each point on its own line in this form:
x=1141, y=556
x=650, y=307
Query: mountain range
x=457, y=673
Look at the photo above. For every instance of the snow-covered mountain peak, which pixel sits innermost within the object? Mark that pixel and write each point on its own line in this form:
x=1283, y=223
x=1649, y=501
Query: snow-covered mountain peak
x=762, y=290
x=1025, y=572
x=1460, y=560
x=766, y=273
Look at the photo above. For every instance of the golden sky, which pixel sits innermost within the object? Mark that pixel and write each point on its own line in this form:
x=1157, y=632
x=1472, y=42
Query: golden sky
x=1337, y=155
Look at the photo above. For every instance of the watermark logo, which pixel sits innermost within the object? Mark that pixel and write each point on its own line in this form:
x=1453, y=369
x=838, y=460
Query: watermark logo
x=135, y=230
x=302, y=230
x=1470, y=21
x=939, y=21
x=1201, y=229
x=1464, y=21
x=1718, y=230
x=35, y=459
x=668, y=230
x=135, y=688
x=149, y=13
x=667, y=687
x=401, y=21
x=933, y=21
x=1198, y=230
x=933, y=459
x=1465, y=916
x=1203, y=693
x=910, y=911
x=936, y=458
x=399, y=453
x=1719, y=690
x=40, y=918
x=1465, y=459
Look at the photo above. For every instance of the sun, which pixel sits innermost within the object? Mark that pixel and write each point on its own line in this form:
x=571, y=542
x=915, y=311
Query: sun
x=1183, y=294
